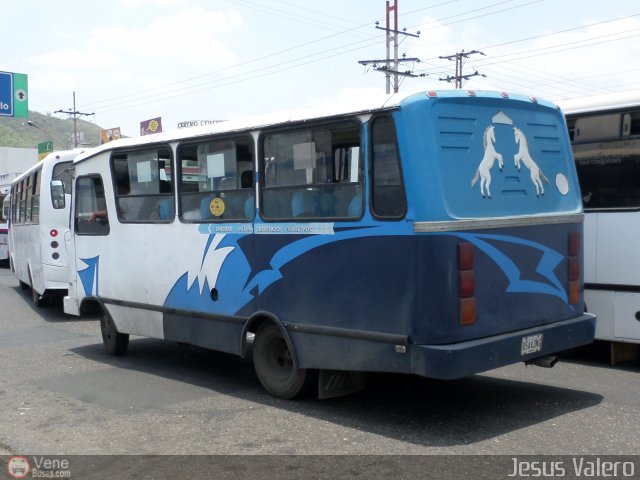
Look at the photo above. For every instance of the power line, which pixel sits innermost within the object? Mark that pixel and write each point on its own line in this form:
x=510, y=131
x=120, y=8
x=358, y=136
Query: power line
x=285, y=65
x=76, y=114
x=181, y=84
x=460, y=58
x=392, y=33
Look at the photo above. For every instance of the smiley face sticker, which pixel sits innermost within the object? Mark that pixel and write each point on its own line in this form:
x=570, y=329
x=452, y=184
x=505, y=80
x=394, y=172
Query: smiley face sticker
x=216, y=207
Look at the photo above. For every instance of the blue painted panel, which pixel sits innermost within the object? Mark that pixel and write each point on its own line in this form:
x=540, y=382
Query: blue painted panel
x=493, y=157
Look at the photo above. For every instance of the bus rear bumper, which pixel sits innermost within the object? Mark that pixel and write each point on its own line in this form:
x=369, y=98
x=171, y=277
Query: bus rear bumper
x=468, y=358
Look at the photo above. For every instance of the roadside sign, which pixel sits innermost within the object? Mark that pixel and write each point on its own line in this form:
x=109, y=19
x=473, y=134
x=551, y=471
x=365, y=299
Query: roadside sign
x=14, y=95
x=44, y=149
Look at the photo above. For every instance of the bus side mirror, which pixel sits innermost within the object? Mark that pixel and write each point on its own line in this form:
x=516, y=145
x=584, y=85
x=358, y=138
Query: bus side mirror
x=57, y=194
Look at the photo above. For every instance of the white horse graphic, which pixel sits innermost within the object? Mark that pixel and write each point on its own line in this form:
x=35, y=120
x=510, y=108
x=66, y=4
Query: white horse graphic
x=484, y=169
x=523, y=156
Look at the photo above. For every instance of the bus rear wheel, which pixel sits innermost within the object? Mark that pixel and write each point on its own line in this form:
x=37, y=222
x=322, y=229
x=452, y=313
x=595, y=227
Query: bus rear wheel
x=115, y=343
x=273, y=363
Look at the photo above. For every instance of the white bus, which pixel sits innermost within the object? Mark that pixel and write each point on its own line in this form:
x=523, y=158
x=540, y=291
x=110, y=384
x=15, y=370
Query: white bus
x=438, y=234
x=605, y=135
x=4, y=231
x=39, y=223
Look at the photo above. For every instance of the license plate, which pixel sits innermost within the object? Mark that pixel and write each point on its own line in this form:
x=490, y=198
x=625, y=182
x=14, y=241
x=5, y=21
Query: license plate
x=531, y=344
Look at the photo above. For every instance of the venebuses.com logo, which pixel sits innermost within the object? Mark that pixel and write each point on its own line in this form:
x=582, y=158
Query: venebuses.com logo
x=38, y=467
x=18, y=467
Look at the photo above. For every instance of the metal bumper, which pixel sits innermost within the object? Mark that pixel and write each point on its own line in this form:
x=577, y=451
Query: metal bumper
x=467, y=358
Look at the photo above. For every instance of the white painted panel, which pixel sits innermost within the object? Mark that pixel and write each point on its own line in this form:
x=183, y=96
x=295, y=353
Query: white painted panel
x=627, y=326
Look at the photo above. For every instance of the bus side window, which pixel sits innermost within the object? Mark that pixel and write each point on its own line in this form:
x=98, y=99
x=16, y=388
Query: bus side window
x=313, y=173
x=388, y=197
x=35, y=197
x=91, y=209
x=61, y=172
x=216, y=180
x=143, y=184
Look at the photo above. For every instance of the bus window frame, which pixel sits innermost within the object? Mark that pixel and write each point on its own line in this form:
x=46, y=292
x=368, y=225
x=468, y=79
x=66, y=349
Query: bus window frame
x=120, y=211
x=247, y=138
x=372, y=167
x=102, y=226
x=359, y=186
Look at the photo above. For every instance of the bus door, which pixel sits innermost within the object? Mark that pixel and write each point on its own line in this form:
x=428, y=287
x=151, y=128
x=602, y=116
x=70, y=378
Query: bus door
x=91, y=226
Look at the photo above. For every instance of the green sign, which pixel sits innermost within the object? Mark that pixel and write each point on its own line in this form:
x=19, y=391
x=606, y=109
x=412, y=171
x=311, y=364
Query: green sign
x=20, y=95
x=45, y=148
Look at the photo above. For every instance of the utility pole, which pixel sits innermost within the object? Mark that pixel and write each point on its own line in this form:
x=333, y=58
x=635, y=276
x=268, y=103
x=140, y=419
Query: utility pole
x=76, y=114
x=460, y=57
x=391, y=66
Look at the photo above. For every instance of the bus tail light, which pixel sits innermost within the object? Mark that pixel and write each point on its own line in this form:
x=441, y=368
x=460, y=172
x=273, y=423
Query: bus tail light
x=466, y=284
x=574, y=268
x=53, y=232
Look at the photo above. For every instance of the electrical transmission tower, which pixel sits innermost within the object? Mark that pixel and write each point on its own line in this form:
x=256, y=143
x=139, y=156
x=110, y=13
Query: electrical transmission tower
x=460, y=57
x=76, y=114
x=390, y=66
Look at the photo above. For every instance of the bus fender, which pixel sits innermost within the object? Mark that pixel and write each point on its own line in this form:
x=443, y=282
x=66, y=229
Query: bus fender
x=252, y=325
x=92, y=305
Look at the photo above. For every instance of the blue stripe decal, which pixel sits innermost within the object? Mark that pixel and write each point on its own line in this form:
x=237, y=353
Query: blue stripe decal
x=89, y=275
x=548, y=263
x=238, y=284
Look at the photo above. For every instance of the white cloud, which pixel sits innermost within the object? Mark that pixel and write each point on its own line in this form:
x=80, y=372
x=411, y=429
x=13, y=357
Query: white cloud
x=153, y=4
x=109, y=61
x=193, y=37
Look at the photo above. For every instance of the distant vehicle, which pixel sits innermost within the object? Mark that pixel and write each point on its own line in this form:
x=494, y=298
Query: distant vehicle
x=438, y=234
x=39, y=223
x=4, y=229
x=605, y=134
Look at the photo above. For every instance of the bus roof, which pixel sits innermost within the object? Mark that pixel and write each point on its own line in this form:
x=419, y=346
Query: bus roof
x=356, y=107
x=61, y=155
x=601, y=103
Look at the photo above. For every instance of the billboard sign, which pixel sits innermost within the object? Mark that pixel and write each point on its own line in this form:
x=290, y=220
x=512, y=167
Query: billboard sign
x=109, y=134
x=149, y=127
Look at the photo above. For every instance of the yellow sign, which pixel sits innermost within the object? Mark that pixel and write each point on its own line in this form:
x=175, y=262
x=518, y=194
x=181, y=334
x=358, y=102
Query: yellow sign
x=216, y=206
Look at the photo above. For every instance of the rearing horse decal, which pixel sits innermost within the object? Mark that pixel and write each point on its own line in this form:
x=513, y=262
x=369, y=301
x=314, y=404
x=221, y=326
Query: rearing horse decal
x=484, y=169
x=523, y=156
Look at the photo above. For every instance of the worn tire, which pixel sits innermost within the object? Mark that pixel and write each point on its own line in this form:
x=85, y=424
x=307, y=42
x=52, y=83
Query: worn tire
x=115, y=343
x=273, y=363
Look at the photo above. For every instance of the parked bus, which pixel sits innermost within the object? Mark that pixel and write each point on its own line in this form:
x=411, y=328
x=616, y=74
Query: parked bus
x=605, y=133
x=39, y=222
x=4, y=229
x=438, y=234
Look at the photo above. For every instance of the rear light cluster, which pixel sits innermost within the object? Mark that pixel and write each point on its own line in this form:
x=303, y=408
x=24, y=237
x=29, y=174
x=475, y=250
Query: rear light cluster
x=574, y=268
x=466, y=284
x=53, y=233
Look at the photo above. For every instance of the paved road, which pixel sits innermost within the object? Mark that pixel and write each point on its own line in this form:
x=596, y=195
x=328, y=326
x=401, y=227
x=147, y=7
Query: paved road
x=61, y=394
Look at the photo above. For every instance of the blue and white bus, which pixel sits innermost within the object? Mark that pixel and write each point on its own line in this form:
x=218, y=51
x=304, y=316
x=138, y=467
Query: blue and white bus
x=438, y=234
x=605, y=133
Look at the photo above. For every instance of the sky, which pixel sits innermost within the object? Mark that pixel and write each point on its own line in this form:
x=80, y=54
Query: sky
x=132, y=60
